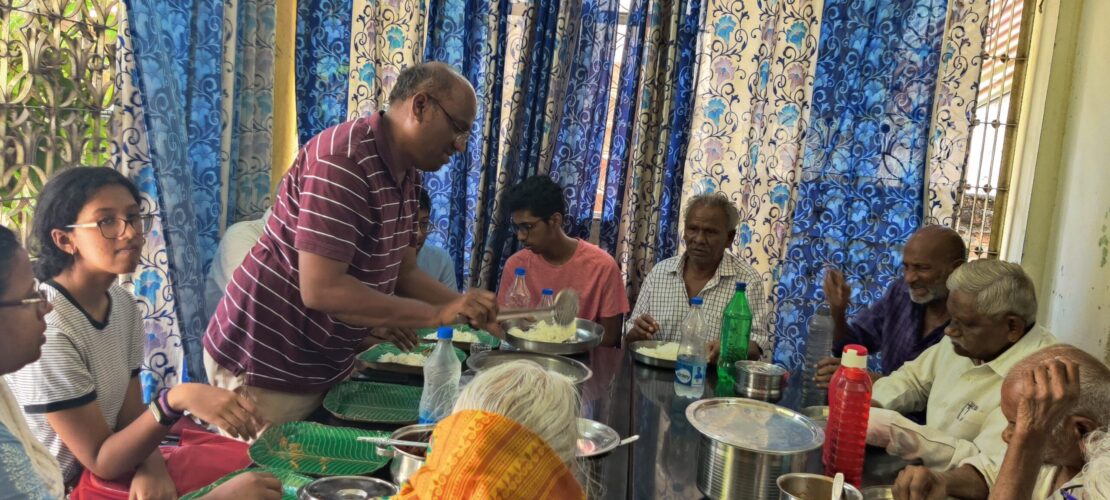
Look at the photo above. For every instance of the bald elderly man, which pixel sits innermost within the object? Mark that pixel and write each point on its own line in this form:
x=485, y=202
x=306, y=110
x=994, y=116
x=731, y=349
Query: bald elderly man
x=911, y=315
x=337, y=259
x=1057, y=405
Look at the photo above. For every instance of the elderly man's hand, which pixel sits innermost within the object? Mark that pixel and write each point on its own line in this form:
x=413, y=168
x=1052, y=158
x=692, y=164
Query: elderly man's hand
x=1047, y=394
x=643, y=328
x=837, y=291
x=825, y=370
x=919, y=483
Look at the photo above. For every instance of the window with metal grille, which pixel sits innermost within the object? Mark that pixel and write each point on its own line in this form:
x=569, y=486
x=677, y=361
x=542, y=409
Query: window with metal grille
x=57, y=79
x=984, y=183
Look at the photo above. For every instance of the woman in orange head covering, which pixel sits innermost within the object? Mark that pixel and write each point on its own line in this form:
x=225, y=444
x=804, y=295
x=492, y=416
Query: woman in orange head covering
x=512, y=435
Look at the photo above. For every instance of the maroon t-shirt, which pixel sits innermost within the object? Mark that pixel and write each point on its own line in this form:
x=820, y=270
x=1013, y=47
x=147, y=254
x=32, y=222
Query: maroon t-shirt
x=339, y=200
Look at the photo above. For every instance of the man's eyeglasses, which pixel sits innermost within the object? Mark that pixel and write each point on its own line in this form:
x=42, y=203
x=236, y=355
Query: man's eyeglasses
x=37, y=300
x=524, y=227
x=461, y=132
x=113, y=227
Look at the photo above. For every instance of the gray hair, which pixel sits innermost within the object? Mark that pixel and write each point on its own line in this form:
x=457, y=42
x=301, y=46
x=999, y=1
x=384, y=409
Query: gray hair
x=433, y=77
x=545, y=402
x=999, y=288
x=715, y=200
x=1096, y=472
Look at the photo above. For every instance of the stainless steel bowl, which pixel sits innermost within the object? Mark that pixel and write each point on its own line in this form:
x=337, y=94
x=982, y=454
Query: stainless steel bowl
x=746, y=445
x=587, y=336
x=577, y=371
x=759, y=380
x=346, y=488
x=406, y=460
x=803, y=486
x=877, y=493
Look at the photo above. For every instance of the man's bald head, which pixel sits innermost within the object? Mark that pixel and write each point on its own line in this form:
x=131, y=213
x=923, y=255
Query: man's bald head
x=942, y=241
x=434, y=78
x=1094, y=379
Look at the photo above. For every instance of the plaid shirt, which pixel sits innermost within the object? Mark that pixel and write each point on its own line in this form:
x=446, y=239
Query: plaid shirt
x=663, y=296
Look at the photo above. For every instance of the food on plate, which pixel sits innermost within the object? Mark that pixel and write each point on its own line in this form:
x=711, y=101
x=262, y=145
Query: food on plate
x=667, y=351
x=405, y=358
x=546, y=331
x=458, y=336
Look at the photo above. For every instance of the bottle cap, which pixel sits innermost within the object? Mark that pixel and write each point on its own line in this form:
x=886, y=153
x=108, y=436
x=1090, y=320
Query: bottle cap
x=548, y=291
x=696, y=301
x=741, y=286
x=520, y=271
x=445, y=332
x=854, y=356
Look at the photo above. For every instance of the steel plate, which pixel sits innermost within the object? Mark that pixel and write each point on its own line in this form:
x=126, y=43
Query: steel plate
x=587, y=336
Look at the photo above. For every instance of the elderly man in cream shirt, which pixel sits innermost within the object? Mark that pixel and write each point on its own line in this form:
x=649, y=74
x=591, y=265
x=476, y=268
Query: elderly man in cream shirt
x=958, y=381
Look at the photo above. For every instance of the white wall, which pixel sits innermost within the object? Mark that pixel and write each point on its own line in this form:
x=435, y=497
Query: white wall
x=1067, y=238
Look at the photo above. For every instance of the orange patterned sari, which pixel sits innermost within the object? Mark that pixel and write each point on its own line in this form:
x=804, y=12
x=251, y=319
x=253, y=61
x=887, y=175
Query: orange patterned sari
x=483, y=455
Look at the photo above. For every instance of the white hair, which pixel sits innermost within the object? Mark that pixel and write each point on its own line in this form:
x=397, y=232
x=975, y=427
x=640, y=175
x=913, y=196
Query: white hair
x=1096, y=473
x=544, y=402
x=999, y=288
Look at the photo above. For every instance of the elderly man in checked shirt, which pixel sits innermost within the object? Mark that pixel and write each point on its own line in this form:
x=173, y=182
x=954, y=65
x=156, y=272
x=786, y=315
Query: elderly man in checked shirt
x=706, y=270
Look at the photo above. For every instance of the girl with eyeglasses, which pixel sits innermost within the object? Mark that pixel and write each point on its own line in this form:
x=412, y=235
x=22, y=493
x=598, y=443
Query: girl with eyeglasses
x=82, y=399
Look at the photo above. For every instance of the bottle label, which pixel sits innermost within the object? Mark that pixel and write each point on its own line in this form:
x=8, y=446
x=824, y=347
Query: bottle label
x=687, y=373
x=682, y=373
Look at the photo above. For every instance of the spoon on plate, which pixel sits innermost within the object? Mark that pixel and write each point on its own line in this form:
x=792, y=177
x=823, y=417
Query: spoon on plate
x=392, y=442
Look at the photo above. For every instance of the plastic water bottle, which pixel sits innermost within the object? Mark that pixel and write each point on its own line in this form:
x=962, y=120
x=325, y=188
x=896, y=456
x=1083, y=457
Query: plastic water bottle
x=689, y=370
x=736, y=334
x=441, y=379
x=519, y=297
x=547, y=298
x=849, y=409
x=818, y=347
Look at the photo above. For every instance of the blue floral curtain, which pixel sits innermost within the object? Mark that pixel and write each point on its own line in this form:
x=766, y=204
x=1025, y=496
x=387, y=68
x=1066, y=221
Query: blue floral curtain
x=650, y=134
x=581, y=131
x=177, y=49
x=192, y=131
x=322, y=64
x=862, y=189
x=468, y=35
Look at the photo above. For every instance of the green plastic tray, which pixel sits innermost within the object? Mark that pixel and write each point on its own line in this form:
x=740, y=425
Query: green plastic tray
x=374, y=402
x=317, y=449
x=372, y=357
x=290, y=482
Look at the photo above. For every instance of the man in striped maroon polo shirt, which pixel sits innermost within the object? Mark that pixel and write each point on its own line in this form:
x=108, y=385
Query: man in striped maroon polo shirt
x=337, y=260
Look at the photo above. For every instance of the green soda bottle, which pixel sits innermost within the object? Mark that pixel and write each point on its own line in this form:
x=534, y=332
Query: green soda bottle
x=736, y=332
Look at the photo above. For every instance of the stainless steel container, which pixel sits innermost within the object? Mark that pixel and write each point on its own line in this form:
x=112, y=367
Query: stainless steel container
x=346, y=488
x=759, y=380
x=746, y=445
x=406, y=460
x=812, y=487
x=587, y=336
x=877, y=493
x=577, y=371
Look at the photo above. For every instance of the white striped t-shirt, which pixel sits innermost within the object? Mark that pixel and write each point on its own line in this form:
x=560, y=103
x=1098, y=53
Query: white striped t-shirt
x=82, y=361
